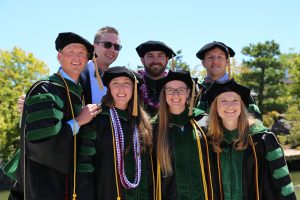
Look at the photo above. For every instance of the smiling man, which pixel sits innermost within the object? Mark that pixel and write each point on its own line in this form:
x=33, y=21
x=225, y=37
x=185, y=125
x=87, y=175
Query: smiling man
x=107, y=47
x=215, y=59
x=154, y=56
x=53, y=114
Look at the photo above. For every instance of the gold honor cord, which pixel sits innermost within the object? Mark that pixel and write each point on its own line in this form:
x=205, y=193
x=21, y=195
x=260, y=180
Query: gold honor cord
x=201, y=160
x=256, y=169
x=75, y=138
x=115, y=159
x=208, y=159
x=158, y=182
x=153, y=178
x=97, y=74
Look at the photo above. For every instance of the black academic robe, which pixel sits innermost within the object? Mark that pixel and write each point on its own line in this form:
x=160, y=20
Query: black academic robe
x=149, y=95
x=104, y=162
x=201, y=101
x=85, y=81
x=237, y=174
x=47, y=140
x=187, y=181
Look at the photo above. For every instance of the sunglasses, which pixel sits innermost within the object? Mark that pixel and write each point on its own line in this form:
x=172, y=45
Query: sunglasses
x=108, y=45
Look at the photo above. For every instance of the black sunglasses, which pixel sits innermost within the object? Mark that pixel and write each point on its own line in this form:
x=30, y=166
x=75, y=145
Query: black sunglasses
x=108, y=45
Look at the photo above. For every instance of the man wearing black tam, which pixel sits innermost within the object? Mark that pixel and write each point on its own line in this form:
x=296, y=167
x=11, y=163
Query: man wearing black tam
x=154, y=56
x=215, y=57
x=52, y=116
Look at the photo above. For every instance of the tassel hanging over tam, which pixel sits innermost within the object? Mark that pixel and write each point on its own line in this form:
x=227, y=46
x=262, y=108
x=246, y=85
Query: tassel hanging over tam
x=97, y=73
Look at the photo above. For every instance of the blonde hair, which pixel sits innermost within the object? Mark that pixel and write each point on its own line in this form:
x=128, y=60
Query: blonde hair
x=215, y=128
x=101, y=31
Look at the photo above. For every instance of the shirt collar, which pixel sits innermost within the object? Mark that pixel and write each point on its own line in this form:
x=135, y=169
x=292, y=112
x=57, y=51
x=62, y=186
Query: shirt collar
x=65, y=75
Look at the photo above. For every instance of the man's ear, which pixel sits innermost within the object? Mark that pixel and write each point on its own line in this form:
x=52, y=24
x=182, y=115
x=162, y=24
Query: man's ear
x=59, y=57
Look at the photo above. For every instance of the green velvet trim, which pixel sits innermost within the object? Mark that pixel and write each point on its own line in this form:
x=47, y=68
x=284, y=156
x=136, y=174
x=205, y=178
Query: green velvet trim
x=87, y=135
x=275, y=154
x=85, y=168
x=140, y=192
x=252, y=108
x=77, y=108
x=257, y=128
x=187, y=165
x=288, y=189
x=44, y=114
x=44, y=132
x=89, y=151
x=11, y=167
x=41, y=98
x=230, y=136
x=232, y=173
x=122, y=113
x=180, y=119
x=281, y=172
x=73, y=87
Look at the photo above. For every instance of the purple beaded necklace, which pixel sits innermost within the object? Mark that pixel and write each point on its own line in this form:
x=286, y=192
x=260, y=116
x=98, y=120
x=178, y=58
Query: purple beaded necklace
x=119, y=138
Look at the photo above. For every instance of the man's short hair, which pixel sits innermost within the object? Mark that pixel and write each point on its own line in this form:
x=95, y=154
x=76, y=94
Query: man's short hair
x=106, y=29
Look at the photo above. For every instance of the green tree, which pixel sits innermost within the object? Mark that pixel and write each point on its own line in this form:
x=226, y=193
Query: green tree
x=179, y=64
x=264, y=74
x=18, y=70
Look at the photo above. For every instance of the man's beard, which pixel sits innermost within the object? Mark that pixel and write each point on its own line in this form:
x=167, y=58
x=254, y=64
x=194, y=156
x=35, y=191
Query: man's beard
x=155, y=71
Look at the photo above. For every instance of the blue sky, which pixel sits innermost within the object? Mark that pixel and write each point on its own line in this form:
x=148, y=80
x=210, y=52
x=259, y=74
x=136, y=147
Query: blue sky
x=187, y=25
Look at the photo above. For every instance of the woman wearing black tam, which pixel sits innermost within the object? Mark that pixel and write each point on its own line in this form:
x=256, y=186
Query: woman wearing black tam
x=247, y=162
x=180, y=144
x=124, y=140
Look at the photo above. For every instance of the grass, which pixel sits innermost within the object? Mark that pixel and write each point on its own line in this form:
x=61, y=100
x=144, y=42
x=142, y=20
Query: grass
x=4, y=195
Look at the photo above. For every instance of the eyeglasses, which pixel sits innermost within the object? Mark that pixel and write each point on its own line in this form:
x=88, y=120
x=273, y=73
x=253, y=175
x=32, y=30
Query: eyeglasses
x=108, y=45
x=179, y=91
x=217, y=58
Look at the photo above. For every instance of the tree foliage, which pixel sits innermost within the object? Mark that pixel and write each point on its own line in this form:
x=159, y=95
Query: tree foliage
x=18, y=70
x=264, y=74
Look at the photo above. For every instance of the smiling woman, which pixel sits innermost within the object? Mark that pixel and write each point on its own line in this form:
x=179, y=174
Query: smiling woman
x=247, y=162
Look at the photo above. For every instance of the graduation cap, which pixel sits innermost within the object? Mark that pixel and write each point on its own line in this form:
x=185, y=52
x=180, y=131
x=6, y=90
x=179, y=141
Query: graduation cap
x=114, y=72
x=230, y=86
x=227, y=50
x=64, y=39
x=183, y=76
x=151, y=45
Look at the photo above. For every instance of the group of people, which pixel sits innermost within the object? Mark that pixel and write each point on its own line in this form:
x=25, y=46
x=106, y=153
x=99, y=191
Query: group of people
x=92, y=131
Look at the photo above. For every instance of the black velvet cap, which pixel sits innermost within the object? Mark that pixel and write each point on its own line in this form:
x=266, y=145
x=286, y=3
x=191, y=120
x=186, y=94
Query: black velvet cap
x=230, y=86
x=181, y=75
x=145, y=47
x=201, y=53
x=64, y=39
x=114, y=72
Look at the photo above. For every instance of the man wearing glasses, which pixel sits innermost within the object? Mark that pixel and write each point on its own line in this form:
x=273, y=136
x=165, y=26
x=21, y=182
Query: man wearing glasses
x=215, y=57
x=107, y=47
x=155, y=56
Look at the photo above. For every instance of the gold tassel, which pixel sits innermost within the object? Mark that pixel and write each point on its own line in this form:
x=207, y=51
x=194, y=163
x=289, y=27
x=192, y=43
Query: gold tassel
x=192, y=99
x=135, y=96
x=97, y=73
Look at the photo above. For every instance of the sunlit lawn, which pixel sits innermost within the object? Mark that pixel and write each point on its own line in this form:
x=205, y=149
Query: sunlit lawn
x=4, y=195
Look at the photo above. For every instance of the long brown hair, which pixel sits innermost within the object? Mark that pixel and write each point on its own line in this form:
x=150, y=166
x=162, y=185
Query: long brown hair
x=163, y=146
x=163, y=150
x=143, y=120
x=215, y=128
